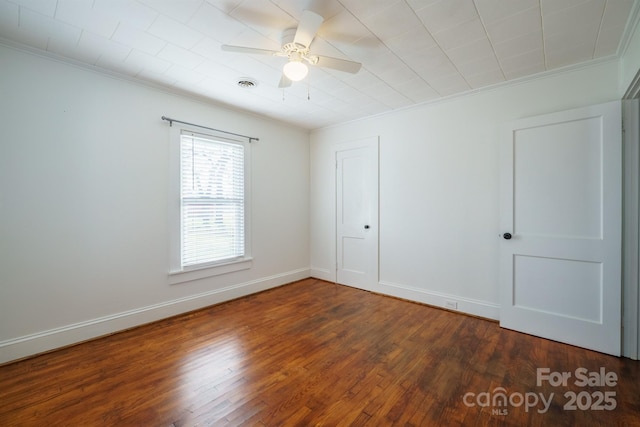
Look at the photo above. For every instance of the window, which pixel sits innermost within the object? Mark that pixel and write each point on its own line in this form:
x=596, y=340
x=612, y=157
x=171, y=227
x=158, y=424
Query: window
x=212, y=234
x=212, y=200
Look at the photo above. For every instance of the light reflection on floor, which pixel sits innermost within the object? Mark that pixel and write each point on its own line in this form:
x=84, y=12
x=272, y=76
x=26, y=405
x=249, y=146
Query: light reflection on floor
x=206, y=372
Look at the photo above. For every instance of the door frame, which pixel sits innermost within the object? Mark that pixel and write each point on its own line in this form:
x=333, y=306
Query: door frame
x=367, y=142
x=631, y=221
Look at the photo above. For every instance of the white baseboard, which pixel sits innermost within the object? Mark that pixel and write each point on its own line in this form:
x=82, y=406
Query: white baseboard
x=479, y=308
x=28, y=345
x=323, y=274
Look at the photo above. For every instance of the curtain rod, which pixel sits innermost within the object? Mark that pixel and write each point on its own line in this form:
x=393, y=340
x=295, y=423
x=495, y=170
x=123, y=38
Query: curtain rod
x=170, y=120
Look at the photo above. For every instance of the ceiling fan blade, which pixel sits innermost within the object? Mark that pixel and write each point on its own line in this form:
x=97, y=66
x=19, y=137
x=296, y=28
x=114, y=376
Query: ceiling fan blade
x=284, y=82
x=307, y=28
x=338, y=64
x=249, y=50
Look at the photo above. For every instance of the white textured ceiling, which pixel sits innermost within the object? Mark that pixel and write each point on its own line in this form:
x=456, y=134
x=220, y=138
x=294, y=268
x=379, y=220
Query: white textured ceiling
x=412, y=51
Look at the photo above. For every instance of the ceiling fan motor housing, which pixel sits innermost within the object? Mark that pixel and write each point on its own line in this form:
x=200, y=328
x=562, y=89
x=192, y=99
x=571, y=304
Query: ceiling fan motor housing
x=288, y=46
x=295, y=51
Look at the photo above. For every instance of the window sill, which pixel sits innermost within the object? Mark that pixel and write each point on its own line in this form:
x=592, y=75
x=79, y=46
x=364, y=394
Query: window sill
x=176, y=277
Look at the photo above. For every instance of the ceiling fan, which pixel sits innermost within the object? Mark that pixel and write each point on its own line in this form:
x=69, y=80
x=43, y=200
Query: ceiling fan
x=296, y=44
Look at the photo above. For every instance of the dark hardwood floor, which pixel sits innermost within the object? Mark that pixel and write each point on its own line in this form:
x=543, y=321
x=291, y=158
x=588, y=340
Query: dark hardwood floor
x=314, y=353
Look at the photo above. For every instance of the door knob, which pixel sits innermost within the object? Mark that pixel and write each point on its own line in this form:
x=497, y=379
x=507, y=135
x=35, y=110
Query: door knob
x=366, y=227
x=507, y=236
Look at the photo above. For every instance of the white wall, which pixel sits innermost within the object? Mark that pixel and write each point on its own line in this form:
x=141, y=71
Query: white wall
x=439, y=186
x=83, y=204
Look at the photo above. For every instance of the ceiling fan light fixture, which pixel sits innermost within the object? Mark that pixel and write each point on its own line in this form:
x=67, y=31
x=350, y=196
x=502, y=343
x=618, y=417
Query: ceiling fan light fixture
x=295, y=70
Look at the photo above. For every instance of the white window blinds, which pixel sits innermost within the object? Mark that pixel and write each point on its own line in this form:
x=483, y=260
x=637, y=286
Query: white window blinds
x=212, y=200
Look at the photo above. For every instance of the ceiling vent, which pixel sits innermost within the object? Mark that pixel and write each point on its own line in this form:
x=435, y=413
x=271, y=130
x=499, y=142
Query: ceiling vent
x=247, y=83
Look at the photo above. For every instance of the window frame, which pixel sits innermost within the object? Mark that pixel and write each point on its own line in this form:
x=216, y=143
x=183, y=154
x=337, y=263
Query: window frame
x=178, y=273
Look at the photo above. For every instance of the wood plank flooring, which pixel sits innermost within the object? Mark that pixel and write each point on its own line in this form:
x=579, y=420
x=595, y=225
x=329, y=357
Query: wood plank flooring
x=315, y=353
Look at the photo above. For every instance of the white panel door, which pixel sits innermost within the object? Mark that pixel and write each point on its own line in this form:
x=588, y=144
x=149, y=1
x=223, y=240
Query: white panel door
x=357, y=214
x=560, y=242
